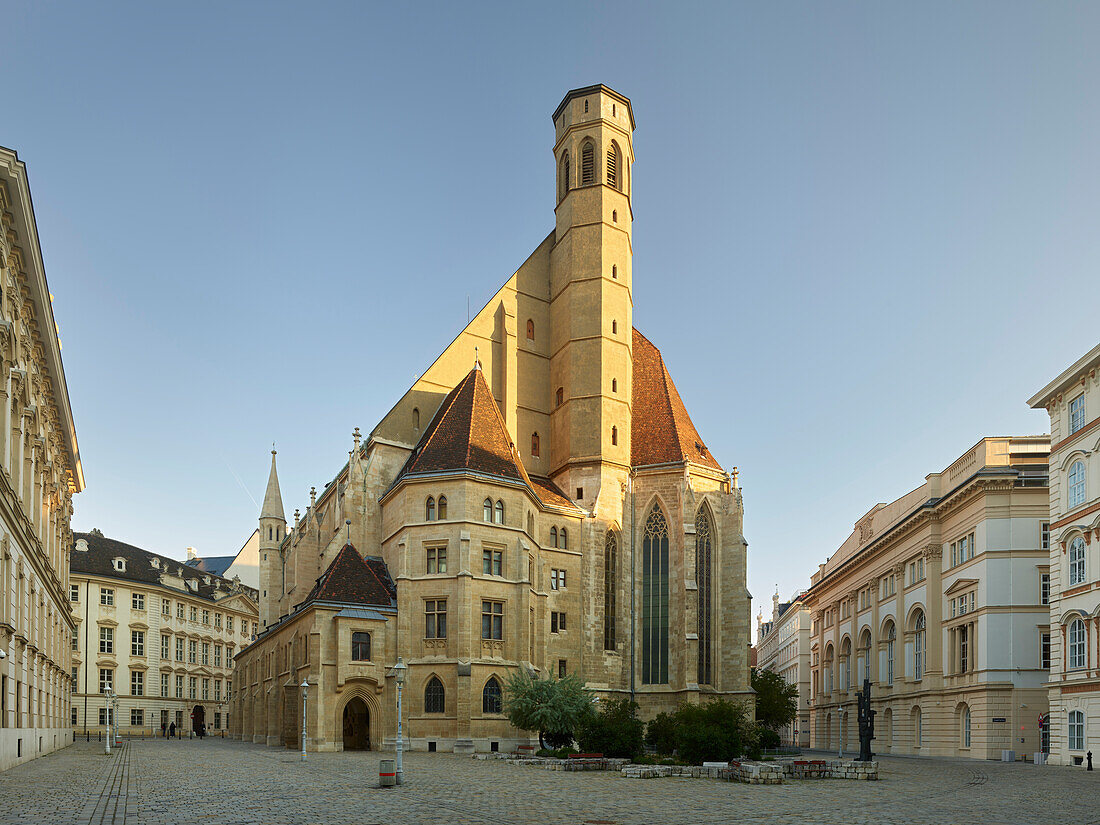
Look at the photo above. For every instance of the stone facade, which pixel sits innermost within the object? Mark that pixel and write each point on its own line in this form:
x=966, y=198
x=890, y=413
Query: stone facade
x=162, y=634
x=783, y=645
x=1073, y=402
x=936, y=599
x=567, y=463
x=41, y=473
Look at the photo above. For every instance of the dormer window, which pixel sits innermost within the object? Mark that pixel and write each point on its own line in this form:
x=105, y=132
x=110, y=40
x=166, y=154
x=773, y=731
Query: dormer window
x=119, y=564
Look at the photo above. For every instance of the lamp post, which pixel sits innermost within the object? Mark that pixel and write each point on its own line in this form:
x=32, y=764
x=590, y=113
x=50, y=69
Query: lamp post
x=399, y=674
x=305, y=694
x=118, y=741
x=107, y=749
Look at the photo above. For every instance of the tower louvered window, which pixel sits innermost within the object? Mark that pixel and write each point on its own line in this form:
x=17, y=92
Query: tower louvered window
x=588, y=164
x=704, y=568
x=613, y=178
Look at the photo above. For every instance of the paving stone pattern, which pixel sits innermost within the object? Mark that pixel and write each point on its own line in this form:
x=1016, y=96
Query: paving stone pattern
x=155, y=782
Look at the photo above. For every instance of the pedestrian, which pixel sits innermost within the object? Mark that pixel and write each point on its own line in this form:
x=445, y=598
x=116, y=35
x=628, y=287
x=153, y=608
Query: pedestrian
x=163, y=729
x=171, y=730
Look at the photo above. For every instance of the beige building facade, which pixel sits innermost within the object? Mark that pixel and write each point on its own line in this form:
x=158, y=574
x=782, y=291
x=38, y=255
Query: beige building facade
x=41, y=472
x=783, y=645
x=1073, y=402
x=937, y=598
x=539, y=499
x=161, y=634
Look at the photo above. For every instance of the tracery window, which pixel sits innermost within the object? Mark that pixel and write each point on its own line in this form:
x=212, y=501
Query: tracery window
x=610, y=561
x=492, y=699
x=655, y=599
x=704, y=572
x=434, y=696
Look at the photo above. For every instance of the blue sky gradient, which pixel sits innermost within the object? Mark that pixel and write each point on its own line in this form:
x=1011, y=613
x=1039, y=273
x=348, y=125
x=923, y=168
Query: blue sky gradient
x=864, y=233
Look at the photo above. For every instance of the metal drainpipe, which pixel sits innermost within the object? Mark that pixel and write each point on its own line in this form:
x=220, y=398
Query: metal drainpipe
x=633, y=585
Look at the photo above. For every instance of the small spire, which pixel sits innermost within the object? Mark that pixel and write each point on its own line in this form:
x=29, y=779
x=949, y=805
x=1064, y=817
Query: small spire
x=355, y=436
x=312, y=497
x=477, y=361
x=273, y=499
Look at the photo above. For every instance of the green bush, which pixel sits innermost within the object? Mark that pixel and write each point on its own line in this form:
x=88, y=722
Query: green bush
x=615, y=731
x=556, y=753
x=768, y=738
x=559, y=739
x=660, y=733
x=713, y=732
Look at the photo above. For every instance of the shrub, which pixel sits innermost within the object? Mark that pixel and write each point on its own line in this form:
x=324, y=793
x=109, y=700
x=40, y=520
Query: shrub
x=553, y=707
x=615, y=731
x=559, y=739
x=768, y=737
x=660, y=733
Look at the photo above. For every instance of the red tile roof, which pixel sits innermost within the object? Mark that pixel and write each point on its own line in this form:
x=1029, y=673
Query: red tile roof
x=661, y=429
x=468, y=433
x=550, y=493
x=353, y=579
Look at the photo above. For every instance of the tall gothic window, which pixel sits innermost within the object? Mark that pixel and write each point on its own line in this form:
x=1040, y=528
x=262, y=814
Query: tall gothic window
x=609, y=570
x=588, y=163
x=655, y=599
x=434, y=696
x=492, y=698
x=704, y=573
x=429, y=509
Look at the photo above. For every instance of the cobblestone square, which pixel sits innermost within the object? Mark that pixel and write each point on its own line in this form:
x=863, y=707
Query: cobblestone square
x=222, y=781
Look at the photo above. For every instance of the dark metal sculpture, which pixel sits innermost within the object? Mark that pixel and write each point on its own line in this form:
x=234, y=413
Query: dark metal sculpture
x=866, y=723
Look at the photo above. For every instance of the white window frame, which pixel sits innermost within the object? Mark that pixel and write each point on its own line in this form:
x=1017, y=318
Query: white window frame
x=1076, y=413
x=1076, y=561
x=1075, y=645
x=1076, y=730
x=107, y=596
x=1076, y=487
x=1044, y=588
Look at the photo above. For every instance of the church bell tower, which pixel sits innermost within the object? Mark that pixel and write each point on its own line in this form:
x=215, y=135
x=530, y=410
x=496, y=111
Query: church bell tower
x=272, y=533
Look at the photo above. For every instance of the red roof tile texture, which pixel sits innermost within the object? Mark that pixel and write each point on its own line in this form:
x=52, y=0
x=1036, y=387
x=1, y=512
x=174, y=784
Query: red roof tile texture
x=352, y=579
x=661, y=429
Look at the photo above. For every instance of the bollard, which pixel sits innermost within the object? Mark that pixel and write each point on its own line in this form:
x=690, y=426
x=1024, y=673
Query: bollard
x=1089, y=755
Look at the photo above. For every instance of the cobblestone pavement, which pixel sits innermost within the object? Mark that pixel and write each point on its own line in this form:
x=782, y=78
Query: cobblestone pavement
x=221, y=781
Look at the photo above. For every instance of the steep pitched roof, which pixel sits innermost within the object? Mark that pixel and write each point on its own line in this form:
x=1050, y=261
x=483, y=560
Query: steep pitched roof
x=661, y=429
x=352, y=579
x=467, y=433
x=273, y=499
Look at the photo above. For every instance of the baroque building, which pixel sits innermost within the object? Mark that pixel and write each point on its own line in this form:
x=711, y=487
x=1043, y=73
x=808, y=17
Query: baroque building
x=41, y=472
x=783, y=645
x=538, y=500
x=938, y=598
x=161, y=634
x=1073, y=402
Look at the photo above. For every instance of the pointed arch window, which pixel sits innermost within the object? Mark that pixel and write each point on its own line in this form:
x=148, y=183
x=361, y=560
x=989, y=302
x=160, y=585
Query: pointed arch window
x=442, y=507
x=487, y=510
x=429, y=509
x=588, y=163
x=655, y=599
x=535, y=444
x=563, y=175
x=614, y=162
x=559, y=397
x=435, y=697
x=553, y=536
x=499, y=512
x=563, y=537
x=492, y=699
x=416, y=419
x=610, y=560
x=704, y=573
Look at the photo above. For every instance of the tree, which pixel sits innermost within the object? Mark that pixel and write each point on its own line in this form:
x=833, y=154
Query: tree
x=776, y=701
x=550, y=706
x=615, y=731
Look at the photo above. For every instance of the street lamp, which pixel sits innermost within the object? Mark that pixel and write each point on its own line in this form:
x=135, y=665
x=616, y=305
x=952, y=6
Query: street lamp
x=107, y=692
x=399, y=674
x=305, y=693
x=118, y=740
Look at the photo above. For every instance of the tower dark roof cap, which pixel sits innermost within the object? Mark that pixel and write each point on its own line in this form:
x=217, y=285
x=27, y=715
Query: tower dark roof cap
x=598, y=88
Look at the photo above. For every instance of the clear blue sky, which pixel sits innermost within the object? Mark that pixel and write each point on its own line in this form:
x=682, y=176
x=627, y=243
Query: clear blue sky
x=262, y=220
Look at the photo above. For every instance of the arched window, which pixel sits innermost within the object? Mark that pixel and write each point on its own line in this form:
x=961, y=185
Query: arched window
x=416, y=419
x=499, y=512
x=1077, y=484
x=614, y=327
x=1076, y=730
x=655, y=599
x=614, y=385
x=429, y=509
x=964, y=720
x=435, y=698
x=442, y=507
x=535, y=444
x=553, y=536
x=614, y=436
x=614, y=180
x=563, y=537
x=530, y=329
x=360, y=647
x=704, y=575
x=559, y=396
x=846, y=664
x=864, y=661
x=491, y=699
x=918, y=646
x=269, y=533
x=1077, y=561
x=891, y=637
x=588, y=163
x=563, y=176
x=827, y=671
x=610, y=560
x=487, y=510
x=1076, y=657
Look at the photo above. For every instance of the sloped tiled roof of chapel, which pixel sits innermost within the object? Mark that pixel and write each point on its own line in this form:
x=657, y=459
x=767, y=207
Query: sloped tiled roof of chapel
x=353, y=579
x=661, y=429
x=467, y=433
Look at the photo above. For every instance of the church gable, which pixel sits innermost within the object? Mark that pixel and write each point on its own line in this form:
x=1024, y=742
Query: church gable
x=352, y=579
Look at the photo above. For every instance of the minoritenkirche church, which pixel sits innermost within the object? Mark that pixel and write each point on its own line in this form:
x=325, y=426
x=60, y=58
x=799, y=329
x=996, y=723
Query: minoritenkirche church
x=549, y=507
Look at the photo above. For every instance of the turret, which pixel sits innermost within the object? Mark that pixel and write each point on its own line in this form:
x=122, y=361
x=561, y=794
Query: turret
x=272, y=533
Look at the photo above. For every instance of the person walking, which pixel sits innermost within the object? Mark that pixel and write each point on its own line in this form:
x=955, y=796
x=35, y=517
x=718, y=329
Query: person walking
x=171, y=730
x=163, y=730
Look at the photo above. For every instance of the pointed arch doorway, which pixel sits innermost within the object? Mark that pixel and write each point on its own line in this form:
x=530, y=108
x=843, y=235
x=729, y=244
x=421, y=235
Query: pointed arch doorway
x=356, y=725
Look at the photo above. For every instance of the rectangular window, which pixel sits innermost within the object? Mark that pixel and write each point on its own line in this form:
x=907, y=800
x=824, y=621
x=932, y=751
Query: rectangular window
x=492, y=620
x=137, y=717
x=557, y=622
x=217, y=690
x=179, y=610
x=165, y=607
x=76, y=640
x=164, y=685
x=206, y=617
x=106, y=679
x=964, y=649
x=137, y=601
x=1044, y=588
x=557, y=579
x=229, y=623
x=206, y=690
x=217, y=655
x=217, y=719
x=74, y=717
x=435, y=619
x=192, y=652
x=165, y=646
x=194, y=614
x=563, y=668
x=103, y=717
x=192, y=687
x=492, y=562
x=179, y=687
x=1044, y=650
x=179, y=650
x=360, y=647
x=1076, y=413
x=217, y=620
x=437, y=559
x=206, y=653
x=106, y=596
x=137, y=682
x=74, y=592
x=1044, y=535
x=137, y=642
x=75, y=669
x=1076, y=730
x=106, y=640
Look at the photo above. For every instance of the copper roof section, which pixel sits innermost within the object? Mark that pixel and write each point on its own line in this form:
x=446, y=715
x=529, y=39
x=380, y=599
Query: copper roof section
x=467, y=433
x=352, y=579
x=661, y=429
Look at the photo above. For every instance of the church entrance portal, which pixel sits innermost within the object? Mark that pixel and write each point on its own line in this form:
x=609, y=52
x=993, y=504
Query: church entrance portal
x=356, y=725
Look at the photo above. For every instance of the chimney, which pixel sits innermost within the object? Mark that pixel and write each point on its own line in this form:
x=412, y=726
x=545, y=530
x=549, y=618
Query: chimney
x=191, y=553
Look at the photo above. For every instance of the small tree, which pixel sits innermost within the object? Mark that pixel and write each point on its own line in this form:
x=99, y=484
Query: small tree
x=549, y=706
x=776, y=701
x=615, y=731
x=717, y=731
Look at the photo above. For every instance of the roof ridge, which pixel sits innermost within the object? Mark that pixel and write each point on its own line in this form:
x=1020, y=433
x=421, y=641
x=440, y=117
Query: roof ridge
x=516, y=459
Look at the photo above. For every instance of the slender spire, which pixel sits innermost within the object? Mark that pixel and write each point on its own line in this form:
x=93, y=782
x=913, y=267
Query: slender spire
x=273, y=499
